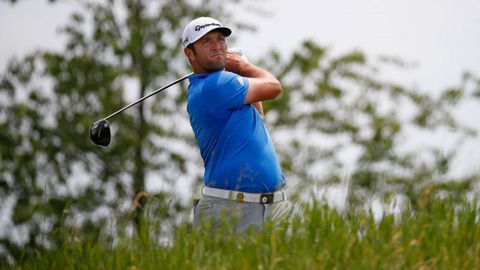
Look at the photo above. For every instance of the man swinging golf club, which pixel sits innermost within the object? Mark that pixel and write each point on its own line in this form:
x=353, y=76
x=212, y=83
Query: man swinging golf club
x=243, y=177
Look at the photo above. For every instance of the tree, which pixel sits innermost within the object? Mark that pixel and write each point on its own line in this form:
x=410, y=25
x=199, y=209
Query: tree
x=335, y=115
x=339, y=123
x=50, y=174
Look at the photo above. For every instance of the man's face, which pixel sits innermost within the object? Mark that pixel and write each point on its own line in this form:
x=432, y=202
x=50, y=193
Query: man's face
x=210, y=52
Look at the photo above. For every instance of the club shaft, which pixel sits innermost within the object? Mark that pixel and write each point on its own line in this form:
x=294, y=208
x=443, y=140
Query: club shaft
x=147, y=96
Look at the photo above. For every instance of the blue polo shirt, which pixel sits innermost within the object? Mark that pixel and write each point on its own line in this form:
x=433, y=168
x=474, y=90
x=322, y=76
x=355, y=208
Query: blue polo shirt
x=236, y=148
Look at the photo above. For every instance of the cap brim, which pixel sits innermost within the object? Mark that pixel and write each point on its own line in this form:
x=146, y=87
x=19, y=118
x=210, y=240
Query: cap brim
x=225, y=30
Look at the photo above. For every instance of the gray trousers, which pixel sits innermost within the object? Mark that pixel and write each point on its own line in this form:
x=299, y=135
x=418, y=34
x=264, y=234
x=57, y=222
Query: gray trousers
x=242, y=215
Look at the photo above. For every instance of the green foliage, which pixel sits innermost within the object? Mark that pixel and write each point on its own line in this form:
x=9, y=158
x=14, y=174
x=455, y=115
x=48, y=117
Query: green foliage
x=48, y=166
x=438, y=235
x=342, y=124
x=338, y=122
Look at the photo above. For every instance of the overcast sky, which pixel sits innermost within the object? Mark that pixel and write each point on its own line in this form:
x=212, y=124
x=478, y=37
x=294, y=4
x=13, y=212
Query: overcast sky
x=441, y=36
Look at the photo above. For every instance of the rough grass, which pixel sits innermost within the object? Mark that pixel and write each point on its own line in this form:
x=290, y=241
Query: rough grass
x=441, y=235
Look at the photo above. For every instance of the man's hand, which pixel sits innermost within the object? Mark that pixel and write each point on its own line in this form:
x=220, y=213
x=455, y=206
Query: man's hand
x=236, y=63
x=263, y=85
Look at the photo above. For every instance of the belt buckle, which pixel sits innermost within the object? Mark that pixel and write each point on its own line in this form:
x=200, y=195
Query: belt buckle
x=266, y=198
x=240, y=197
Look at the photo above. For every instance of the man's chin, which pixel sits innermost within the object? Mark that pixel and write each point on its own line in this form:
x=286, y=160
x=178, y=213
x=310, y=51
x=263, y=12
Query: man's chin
x=214, y=68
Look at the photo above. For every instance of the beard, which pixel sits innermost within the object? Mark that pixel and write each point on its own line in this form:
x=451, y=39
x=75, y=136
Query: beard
x=211, y=65
x=213, y=68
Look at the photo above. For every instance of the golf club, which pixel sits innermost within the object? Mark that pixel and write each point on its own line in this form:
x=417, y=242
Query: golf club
x=100, y=130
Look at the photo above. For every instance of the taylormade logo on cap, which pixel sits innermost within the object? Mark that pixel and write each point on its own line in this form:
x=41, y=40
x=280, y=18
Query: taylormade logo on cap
x=201, y=26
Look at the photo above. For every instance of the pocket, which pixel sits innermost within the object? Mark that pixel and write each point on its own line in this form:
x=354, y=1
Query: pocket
x=279, y=212
x=195, y=203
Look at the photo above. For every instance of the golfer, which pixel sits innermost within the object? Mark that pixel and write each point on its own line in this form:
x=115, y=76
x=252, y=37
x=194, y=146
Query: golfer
x=243, y=178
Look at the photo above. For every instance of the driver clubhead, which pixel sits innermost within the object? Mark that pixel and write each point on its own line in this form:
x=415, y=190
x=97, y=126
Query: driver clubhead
x=100, y=132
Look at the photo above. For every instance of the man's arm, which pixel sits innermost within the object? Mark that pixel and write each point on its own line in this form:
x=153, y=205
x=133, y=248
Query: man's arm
x=258, y=105
x=262, y=84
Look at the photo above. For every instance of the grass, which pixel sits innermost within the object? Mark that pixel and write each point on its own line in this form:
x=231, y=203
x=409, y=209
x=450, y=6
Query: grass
x=441, y=235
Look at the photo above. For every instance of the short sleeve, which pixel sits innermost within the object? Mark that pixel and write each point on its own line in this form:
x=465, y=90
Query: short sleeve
x=226, y=91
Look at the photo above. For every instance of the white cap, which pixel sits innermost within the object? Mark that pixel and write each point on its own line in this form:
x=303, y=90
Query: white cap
x=201, y=26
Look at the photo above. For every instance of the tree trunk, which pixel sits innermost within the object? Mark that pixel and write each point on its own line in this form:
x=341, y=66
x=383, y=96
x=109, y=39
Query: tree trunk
x=139, y=67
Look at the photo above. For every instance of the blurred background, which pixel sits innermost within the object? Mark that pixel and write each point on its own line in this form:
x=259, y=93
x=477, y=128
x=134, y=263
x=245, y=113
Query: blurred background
x=379, y=108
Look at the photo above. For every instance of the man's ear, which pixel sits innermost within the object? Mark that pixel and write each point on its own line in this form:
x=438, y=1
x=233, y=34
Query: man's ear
x=189, y=53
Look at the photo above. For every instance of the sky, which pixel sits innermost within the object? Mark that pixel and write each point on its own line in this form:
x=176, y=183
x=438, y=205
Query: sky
x=441, y=38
